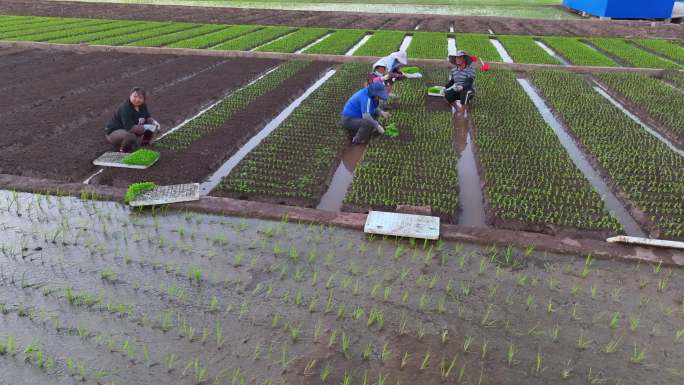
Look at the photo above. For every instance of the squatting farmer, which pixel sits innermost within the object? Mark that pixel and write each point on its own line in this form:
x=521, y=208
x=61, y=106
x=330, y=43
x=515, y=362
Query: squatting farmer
x=461, y=86
x=361, y=112
x=131, y=125
x=388, y=69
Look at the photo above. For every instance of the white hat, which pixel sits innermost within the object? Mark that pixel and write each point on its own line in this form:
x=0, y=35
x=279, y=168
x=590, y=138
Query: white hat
x=400, y=56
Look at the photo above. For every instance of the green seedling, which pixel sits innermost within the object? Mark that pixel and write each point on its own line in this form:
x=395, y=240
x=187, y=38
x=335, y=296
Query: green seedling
x=346, y=341
x=392, y=130
x=426, y=362
x=386, y=353
x=583, y=343
x=135, y=189
x=612, y=345
x=615, y=320
x=510, y=354
x=367, y=351
x=325, y=373
x=638, y=356
x=466, y=344
x=141, y=157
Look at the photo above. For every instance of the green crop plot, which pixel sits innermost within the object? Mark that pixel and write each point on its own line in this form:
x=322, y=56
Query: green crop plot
x=160, y=41
x=381, y=43
x=338, y=43
x=666, y=48
x=216, y=116
x=578, y=53
x=523, y=49
x=630, y=54
x=529, y=177
x=662, y=102
x=428, y=45
x=419, y=167
x=124, y=29
x=213, y=39
x=71, y=30
x=146, y=31
x=678, y=80
x=52, y=26
x=296, y=159
x=254, y=39
x=645, y=170
x=295, y=41
x=478, y=45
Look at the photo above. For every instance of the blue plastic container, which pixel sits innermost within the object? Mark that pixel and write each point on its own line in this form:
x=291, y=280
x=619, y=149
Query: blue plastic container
x=624, y=9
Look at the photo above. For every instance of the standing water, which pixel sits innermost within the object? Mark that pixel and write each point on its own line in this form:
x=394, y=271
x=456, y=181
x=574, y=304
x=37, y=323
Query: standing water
x=339, y=185
x=406, y=43
x=612, y=202
x=470, y=196
x=502, y=51
x=553, y=53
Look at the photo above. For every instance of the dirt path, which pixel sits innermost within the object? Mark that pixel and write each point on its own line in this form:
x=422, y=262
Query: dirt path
x=407, y=22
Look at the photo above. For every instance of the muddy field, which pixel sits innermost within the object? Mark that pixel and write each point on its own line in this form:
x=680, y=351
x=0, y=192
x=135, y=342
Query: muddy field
x=207, y=154
x=499, y=25
x=57, y=103
x=91, y=291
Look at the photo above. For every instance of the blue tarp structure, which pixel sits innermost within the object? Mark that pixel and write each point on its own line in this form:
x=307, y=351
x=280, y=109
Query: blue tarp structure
x=624, y=9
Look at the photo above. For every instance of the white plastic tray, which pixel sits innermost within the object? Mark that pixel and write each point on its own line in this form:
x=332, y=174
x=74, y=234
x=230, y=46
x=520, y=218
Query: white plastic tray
x=115, y=159
x=440, y=94
x=402, y=225
x=163, y=195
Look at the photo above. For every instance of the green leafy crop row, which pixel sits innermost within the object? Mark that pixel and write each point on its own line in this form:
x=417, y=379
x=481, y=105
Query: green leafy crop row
x=529, y=177
x=419, y=167
x=124, y=29
x=678, y=80
x=69, y=30
x=25, y=33
x=216, y=116
x=338, y=43
x=145, y=33
x=577, y=52
x=428, y=45
x=254, y=39
x=478, y=45
x=666, y=48
x=523, y=49
x=653, y=96
x=297, y=158
x=216, y=38
x=381, y=43
x=631, y=54
x=644, y=169
x=294, y=41
x=163, y=40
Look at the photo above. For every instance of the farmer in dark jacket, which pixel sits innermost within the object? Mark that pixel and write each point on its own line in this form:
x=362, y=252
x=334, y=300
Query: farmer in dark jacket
x=461, y=80
x=361, y=112
x=131, y=125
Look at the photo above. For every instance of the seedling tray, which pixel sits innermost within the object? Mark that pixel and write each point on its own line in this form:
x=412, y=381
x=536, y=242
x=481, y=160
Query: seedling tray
x=162, y=195
x=402, y=225
x=416, y=75
x=115, y=159
x=437, y=94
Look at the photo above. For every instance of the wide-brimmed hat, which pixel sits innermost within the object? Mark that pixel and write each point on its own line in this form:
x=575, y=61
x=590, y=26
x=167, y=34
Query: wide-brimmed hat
x=400, y=56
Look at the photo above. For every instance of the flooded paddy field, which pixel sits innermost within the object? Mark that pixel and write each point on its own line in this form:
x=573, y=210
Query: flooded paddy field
x=95, y=292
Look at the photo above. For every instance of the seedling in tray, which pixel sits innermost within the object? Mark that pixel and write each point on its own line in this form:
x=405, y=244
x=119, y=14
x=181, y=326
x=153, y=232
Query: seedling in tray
x=391, y=130
x=136, y=189
x=141, y=157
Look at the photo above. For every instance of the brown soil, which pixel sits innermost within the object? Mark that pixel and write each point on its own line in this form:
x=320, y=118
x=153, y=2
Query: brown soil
x=207, y=154
x=481, y=24
x=54, y=120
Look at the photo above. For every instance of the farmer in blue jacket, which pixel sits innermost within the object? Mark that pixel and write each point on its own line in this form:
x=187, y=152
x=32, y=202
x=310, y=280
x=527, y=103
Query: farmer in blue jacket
x=361, y=112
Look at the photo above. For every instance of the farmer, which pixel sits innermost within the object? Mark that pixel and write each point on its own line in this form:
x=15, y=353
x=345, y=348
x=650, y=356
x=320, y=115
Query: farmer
x=131, y=125
x=461, y=80
x=361, y=112
x=388, y=69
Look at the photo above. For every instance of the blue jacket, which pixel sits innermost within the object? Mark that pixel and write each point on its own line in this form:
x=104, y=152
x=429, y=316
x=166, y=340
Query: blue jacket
x=360, y=103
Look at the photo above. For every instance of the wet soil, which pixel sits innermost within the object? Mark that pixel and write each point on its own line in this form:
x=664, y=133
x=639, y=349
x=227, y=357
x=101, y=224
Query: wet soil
x=120, y=296
x=480, y=24
x=59, y=102
x=208, y=153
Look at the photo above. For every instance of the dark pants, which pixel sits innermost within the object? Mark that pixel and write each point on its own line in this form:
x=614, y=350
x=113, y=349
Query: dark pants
x=126, y=141
x=360, y=129
x=452, y=95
